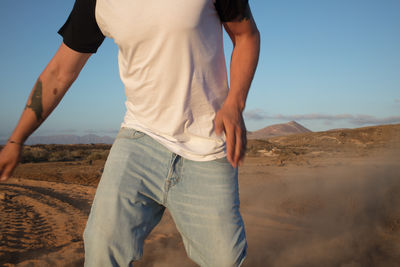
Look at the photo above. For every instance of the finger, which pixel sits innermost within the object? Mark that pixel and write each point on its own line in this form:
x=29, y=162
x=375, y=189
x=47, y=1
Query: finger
x=230, y=145
x=5, y=174
x=6, y=171
x=244, y=146
x=1, y=172
x=238, y=146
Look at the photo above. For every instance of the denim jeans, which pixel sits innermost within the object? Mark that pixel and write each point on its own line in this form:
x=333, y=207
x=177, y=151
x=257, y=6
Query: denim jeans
x=141, y=178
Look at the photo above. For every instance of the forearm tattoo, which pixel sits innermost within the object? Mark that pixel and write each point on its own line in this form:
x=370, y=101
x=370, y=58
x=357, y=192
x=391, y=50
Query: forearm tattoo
x=36, y=101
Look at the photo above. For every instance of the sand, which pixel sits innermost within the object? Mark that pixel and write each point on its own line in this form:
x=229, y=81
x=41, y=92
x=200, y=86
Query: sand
x=319, y=205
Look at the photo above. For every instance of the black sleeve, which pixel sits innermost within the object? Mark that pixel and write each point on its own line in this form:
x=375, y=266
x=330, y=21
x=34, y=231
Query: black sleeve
x=232, y=10
x=81, y=32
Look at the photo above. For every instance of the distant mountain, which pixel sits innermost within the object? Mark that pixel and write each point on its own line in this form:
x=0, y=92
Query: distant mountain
x=267, y=132
x=67, y=139
x=278, y=130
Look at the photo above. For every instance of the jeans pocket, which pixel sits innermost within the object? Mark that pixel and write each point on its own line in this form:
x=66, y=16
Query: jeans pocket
x=129, y=133
x=223, y=160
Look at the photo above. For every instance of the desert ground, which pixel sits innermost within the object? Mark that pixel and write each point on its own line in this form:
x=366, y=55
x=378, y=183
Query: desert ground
x=314, y=199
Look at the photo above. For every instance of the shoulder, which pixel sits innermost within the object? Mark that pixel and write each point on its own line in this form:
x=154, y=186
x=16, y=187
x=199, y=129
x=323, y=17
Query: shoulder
x=81, y=32
x=231, y=10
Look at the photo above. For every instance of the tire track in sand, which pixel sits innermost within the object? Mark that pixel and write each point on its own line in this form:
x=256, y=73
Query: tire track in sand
x=39, y=217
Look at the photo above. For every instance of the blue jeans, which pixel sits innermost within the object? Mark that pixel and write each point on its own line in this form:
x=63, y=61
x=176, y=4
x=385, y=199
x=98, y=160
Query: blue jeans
x=141, y=178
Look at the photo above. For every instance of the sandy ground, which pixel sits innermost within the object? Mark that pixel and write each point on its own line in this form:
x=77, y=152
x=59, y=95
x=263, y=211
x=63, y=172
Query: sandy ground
x=314, y=209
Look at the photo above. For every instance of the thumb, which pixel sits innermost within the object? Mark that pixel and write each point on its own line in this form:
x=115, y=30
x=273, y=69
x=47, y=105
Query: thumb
x=219, y=125
x=5, y=172
x=4, y=175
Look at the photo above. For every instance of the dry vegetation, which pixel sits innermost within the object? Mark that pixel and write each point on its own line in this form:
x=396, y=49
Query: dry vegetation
x=62, y=153
x=81, y=164
x=303, y=148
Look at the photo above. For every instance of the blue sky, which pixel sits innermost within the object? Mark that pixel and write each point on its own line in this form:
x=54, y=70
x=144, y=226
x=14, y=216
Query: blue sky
x=325, y=64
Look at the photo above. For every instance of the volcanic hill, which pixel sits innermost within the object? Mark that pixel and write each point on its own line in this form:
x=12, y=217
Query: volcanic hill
x=283, y=129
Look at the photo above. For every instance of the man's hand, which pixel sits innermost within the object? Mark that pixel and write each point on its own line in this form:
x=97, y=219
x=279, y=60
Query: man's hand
x=229, y=119
x=246, y=47
x=48, y=91
x=9, y=158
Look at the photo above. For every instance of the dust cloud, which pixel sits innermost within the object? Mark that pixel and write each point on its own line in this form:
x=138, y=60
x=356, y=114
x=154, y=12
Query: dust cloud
x=346, y=216
x=340, y=216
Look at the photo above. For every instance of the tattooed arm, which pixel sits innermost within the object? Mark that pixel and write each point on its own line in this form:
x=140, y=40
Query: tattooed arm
x=47, y=92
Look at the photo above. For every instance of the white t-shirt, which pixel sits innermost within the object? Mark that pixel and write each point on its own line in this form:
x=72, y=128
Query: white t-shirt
x=171, y=61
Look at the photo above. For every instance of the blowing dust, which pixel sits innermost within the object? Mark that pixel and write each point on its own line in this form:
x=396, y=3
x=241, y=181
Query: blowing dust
x=337, y=216
x=346, y=215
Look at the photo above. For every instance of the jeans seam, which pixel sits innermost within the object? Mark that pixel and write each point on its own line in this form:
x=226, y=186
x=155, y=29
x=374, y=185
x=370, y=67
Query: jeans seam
x=182, y=173
x=167, y=183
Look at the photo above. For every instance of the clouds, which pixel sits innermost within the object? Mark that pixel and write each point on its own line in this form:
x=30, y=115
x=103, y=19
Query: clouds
x=359, y=120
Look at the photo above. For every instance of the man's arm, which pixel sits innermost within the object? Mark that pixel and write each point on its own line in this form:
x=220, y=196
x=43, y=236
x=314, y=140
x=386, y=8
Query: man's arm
x=47, y=92
x=246, y=41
